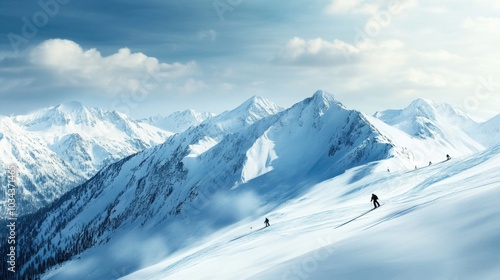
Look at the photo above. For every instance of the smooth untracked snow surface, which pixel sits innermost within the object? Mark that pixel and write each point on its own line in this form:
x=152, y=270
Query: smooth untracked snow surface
x=436, y=222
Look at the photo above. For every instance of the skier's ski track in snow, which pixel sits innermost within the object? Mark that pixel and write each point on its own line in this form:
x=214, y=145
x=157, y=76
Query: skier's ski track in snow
x=244, y=235
x=354, y=219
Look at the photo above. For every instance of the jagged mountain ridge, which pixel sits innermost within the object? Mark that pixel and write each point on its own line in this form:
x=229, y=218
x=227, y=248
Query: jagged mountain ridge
x=431, y=121
x=321, y=133
x=57, y=148
x=40, y=170
x=174, y=182
x=90, y=137
x=420, y=118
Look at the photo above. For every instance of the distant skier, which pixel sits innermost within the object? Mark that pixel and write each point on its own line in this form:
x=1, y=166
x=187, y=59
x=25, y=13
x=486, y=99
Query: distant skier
x=375, y=200
x=448, y=157
x=388, y=170
x=430, y=163
x=266, y=222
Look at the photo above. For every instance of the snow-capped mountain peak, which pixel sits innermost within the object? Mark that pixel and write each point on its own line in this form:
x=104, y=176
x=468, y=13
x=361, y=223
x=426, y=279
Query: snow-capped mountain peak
x=78, y=140
x=422, y=107
x=324, y=100
x=256, y=108
x=250, y=111
x=326, y=97
x=423, y=114
x=440, y=122
x=433, y=110
x=61, y=115
x=71, y=106
x=179, y=121
x=419, y=108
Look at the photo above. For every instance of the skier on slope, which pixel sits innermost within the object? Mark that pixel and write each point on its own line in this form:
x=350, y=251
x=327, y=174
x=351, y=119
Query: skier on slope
x=375, y=202
x=266, y=222
x=448, y=157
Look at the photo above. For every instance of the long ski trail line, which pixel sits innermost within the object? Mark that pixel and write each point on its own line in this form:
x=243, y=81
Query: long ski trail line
x=241, y=236
x=353, y=219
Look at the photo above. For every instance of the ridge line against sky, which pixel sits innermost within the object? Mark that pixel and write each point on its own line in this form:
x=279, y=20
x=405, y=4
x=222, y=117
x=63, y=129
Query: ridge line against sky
x=155, y=57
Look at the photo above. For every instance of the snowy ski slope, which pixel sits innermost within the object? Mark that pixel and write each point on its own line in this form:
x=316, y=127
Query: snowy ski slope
x=437, y=222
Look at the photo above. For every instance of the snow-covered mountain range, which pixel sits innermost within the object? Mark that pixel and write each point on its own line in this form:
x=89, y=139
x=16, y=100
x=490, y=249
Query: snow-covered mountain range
x=236, y=166
x=59, y=147
x=441, y=123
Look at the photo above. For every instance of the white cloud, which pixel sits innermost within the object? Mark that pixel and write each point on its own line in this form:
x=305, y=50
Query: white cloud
x=121, y=71
x=315, y=52
x=380, y=70
x=320, y=52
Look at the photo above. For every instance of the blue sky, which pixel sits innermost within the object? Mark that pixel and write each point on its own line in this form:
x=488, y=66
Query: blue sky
x=155, y=57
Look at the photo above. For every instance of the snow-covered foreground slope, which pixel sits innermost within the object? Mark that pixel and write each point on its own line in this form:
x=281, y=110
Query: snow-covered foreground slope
x=438, y=222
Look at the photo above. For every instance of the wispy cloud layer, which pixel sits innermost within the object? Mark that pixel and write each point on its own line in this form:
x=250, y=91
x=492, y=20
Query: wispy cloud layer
x=366, y=52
